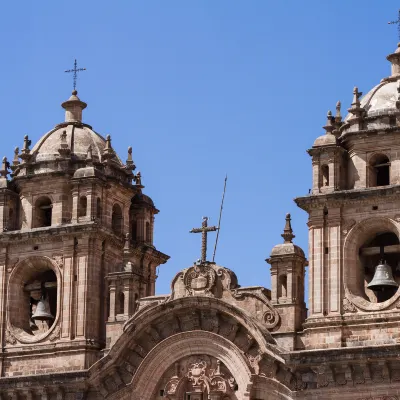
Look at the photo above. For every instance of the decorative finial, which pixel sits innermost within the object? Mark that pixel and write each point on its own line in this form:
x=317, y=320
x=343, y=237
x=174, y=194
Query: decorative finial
x=75, y=71
x=129, y=161
x=16, y=158
x=89, y=155
x=329, y=126
x=26, y=152
x=338, y=116
x=356, y=108
x=108, y=151
x=396, y=23
x=138, y=179
x=64, y=149
x=127, y=242
x=5, y=165
x=287, y=234
x=356, y=97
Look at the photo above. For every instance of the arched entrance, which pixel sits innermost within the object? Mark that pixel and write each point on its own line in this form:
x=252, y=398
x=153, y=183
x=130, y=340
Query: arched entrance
x=187, y=349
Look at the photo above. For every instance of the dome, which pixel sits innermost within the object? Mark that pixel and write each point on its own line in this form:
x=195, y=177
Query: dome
x=72, y=136
x=285, y=249
x=78, y=138
x=141, y=198
x=379, y=100
x=325, y=140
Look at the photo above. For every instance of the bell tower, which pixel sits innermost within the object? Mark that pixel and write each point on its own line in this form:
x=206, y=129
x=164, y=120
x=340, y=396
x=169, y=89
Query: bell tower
x=354, y=222
x=76, y=248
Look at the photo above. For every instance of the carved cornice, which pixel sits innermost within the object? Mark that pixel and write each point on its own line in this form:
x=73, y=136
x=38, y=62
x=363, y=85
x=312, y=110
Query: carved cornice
x=367, y=196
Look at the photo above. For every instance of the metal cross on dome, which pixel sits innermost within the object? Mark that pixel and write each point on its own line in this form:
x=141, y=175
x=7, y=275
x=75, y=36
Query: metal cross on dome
x=204, y=230
x=396, y=23
x=75, y=71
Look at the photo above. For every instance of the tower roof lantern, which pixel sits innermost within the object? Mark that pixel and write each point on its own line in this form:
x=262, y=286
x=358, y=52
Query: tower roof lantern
x=73, y=108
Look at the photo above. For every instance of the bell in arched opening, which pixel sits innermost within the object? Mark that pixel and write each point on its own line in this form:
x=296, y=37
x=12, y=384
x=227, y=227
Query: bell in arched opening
x=42, y=312
x=383, y=278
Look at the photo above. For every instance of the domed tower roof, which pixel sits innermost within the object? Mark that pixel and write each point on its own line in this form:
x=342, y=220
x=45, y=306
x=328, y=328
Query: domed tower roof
x=79, y=136
x=287, y=247
x=73, y=146
x=381, y=102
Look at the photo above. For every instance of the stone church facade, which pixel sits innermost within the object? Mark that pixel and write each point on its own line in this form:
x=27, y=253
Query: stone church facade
x=79, y=318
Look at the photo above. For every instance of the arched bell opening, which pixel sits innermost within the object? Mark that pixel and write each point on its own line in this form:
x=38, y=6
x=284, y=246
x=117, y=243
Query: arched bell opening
x=33, y=298
x=380, y=260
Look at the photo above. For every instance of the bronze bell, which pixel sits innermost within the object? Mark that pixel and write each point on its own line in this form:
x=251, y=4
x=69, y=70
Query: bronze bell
x=42, y=312
x=383, y=278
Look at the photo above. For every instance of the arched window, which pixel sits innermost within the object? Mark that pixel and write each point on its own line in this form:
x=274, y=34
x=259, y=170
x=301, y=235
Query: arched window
x=121, y=303
x=282, y=289
x=83, y=206
x=325, y=175
x=43, y=212
x=148, y=232
x=98, y=208
x=116, y=219
x=379, y=170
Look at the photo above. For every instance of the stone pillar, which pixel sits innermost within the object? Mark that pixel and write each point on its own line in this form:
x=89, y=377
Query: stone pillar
x=3, y=296
x=112, y=292
x=67, y=287
x=82, y=292
x=315, y=176
x=75, y=205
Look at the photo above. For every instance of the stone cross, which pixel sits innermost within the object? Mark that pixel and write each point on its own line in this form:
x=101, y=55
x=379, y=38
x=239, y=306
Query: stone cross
x=204, y=230
x=75, y=71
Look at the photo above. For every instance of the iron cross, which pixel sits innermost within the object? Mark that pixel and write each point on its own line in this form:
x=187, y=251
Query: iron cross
x=75, y=71
x=397, y=23
x=204, y=230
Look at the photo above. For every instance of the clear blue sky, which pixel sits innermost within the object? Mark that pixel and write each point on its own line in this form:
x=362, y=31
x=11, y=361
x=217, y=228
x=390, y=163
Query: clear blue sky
x=199, y=88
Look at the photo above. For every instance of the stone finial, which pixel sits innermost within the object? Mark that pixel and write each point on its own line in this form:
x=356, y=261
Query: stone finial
x=15, y=161
x=329, y=125
x=108, y=151
x=127, y=242
x=356, y=97
x=64, y=149
x=138, y=179
x=26, y=152
x=5, y=165
x=73, y=108
x=338, y=116
x=287, y=234
x=356, y=108
x=129, y=161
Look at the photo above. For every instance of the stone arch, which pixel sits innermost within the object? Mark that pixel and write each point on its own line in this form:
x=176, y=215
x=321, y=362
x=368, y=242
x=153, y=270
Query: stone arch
x=172, y=349
x=352, y=267
x=154, y=324
x=23, y=272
